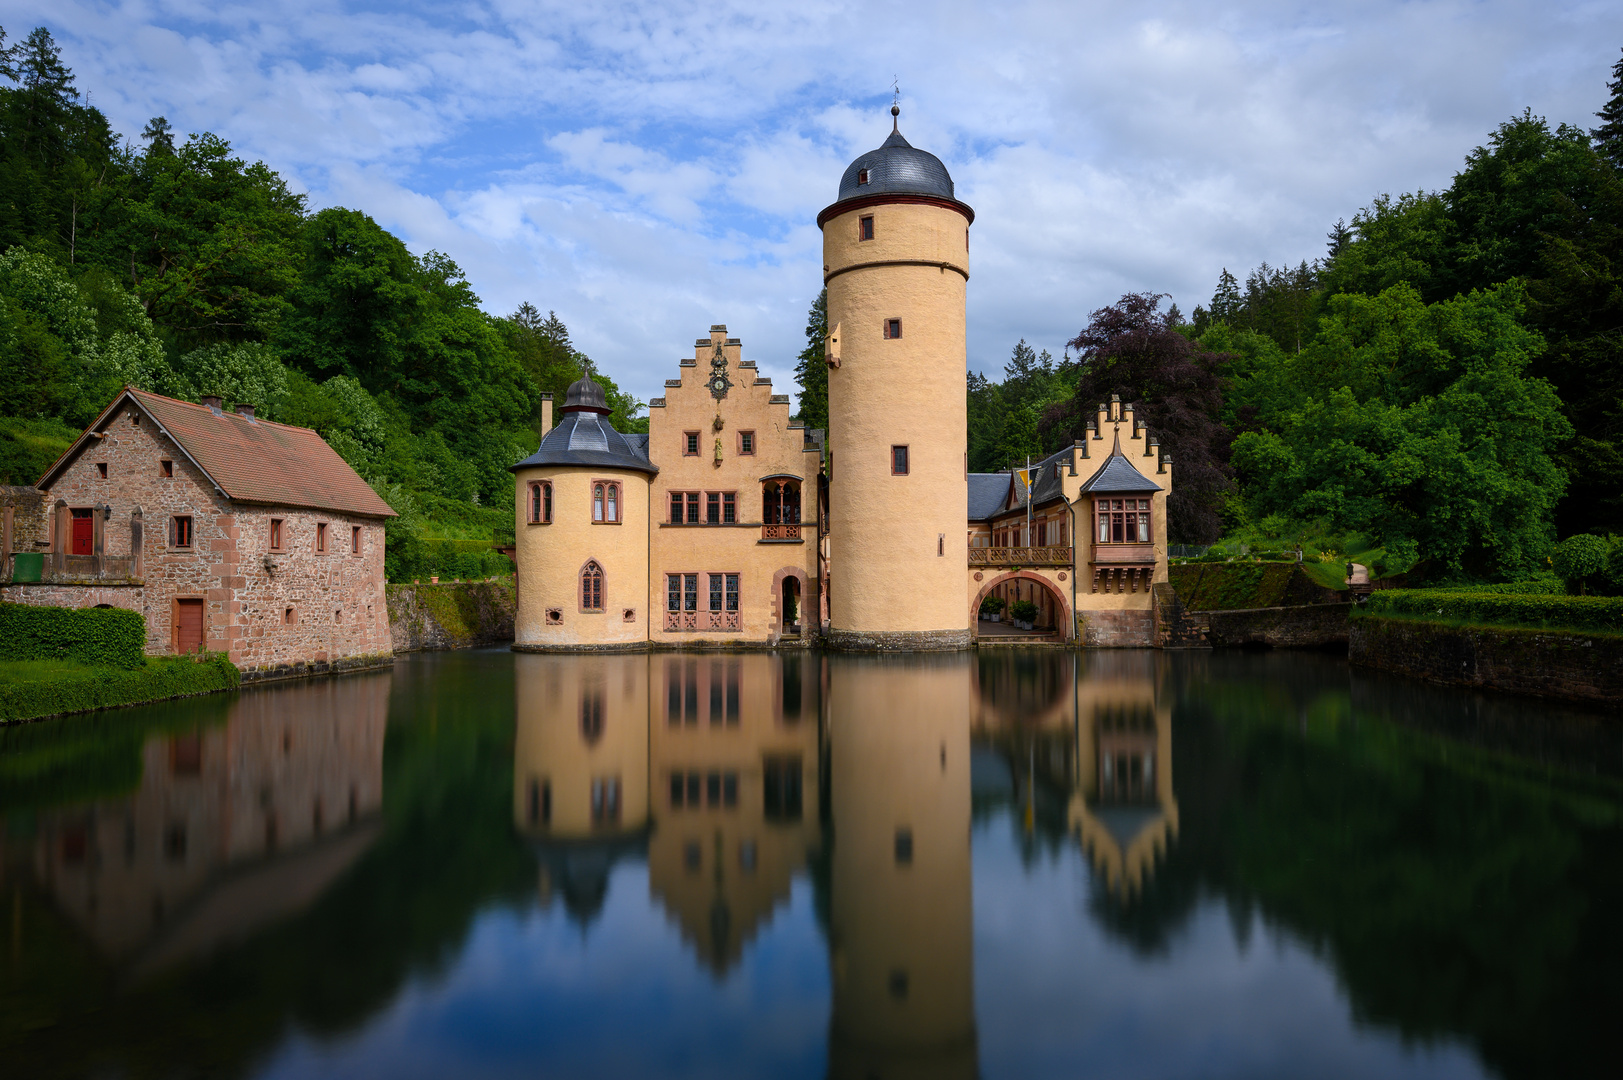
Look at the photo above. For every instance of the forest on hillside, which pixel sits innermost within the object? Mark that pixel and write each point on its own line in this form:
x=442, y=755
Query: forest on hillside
x=174, y=265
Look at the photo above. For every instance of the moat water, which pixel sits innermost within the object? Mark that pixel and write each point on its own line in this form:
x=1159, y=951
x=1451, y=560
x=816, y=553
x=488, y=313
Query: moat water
x=1004, y=864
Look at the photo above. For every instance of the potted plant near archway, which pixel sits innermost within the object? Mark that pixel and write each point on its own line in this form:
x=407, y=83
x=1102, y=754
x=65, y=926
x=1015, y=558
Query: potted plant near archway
x=992, y=608
x=1023, y=613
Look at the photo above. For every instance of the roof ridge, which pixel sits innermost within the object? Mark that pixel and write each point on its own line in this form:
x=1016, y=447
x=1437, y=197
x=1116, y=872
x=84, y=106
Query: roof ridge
x=223, y=411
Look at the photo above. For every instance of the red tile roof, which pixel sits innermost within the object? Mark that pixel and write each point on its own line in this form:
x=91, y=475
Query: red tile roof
x=254, y=461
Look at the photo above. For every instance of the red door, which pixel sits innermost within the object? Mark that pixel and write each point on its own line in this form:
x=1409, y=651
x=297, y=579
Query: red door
x=189, y=626
x=84, y=532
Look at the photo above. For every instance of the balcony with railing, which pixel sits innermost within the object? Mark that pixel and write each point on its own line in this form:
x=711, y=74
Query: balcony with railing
x=785, y=533
x=693, y=622
x=1021, y=556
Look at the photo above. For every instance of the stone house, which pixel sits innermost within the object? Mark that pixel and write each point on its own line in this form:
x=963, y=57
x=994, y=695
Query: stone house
x=227, y=532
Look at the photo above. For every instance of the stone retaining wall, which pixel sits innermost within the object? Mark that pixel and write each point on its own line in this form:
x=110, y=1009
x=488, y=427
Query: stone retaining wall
x=1548, y=663
x=1308, y=626
x=1130, y=629
x=898, y=641
x=452, y=615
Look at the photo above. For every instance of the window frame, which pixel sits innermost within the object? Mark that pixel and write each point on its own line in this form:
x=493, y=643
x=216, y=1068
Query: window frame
x=865, y=228
x=321, y=538
x=690, y=444
x=538, y=510
x=612, y=509
x=166, y=469
x=1112, y=518
x=176, y=528
x=277, y=535
x=355, y=540
x=584, y=595
x=862, y=177
x=893, y=329
x=746, y=444
x=904, y=459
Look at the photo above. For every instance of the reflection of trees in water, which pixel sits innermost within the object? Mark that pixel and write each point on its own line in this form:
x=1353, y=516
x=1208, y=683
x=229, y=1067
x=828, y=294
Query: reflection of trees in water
x=1457, y=890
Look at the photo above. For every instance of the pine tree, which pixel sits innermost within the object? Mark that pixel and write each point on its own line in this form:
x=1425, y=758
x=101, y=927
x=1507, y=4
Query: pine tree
x=1226, y=301
x=159, y=136
x=811, y=369
x=1609, y=136
x=1339, y=236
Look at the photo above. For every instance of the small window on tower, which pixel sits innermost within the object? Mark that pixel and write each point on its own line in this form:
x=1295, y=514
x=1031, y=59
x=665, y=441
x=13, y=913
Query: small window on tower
x=893, y=328
x=898, y=461
x=862, y=176
x=866, y=228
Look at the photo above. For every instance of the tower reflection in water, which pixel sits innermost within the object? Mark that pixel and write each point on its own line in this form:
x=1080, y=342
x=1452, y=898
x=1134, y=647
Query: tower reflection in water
x=731, y=774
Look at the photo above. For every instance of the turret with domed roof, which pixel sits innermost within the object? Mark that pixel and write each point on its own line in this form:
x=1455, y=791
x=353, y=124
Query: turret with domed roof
x=896, y=265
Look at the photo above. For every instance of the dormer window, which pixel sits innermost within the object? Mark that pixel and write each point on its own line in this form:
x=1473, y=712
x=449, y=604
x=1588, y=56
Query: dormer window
x=862, y=176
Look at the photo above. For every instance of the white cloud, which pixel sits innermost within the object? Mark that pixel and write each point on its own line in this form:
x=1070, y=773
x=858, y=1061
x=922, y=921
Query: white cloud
x=647, y=169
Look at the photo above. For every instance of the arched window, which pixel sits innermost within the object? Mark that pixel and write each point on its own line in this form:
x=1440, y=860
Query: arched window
x=591, y=587
x=540, y=503
x=597, y=502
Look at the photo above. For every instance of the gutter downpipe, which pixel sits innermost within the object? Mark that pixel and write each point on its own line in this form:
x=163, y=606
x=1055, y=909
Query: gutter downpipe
x=1076, y=546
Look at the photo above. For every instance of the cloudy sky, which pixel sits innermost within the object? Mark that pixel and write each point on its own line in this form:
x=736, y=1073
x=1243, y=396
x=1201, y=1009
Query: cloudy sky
x=648, y=169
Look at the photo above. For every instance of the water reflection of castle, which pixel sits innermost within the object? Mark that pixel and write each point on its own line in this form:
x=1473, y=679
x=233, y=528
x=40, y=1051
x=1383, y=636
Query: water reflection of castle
x=732, y=772
x=234, y=826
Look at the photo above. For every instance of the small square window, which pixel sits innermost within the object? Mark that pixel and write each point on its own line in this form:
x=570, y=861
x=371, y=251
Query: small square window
x=898, y=461
x=690, y=444
x=866, y=231
x=893, y=328
x=180, y=532
x=746, y=442
x=862, y=178
x=166, y=468
x=101, y=469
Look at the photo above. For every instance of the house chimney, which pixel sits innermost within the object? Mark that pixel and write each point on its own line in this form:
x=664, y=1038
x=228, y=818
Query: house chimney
x=546, y=414
x=212, y=403
x=245, y=410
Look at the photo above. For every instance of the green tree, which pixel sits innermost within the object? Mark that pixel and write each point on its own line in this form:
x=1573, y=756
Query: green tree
x=1609, y=135
x=811, y=367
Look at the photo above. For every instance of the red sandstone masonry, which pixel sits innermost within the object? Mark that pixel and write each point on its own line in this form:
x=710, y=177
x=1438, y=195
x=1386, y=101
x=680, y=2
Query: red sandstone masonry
x=338, y=609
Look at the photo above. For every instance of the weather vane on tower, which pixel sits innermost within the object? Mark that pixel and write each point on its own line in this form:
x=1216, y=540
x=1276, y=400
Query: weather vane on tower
x=895, y=100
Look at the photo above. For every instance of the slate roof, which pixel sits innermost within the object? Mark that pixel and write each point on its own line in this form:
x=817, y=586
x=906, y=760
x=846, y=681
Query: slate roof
x=248, y=460
x=1118, y=474
x=897, y=167
x=987, y=494
x=586, y=437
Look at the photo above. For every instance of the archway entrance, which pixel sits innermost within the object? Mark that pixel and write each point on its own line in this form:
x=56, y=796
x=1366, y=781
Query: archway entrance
x=789, y=605
x=1052, y=619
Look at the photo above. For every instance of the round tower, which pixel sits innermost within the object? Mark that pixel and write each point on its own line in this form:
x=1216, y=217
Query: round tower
x=581, y=525
x=896, y=261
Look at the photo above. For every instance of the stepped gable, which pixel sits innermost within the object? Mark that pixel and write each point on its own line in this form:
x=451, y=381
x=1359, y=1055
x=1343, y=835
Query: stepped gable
x=247, y=459
x=584, y=436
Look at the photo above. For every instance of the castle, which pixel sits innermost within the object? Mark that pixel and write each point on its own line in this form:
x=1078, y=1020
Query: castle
x=730, y=524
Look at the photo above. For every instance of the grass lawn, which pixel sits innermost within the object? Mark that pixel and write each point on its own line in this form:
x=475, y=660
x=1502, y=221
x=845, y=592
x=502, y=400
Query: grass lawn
x=34, y=688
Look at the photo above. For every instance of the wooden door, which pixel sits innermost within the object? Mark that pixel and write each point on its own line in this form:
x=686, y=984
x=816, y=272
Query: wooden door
x=188, y=626
x=84, y=533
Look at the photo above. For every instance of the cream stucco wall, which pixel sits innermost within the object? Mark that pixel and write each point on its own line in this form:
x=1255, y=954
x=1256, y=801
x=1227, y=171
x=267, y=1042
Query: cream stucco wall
x=550, y=558
x=901, y=538
x=901, y=930
x=779, y=451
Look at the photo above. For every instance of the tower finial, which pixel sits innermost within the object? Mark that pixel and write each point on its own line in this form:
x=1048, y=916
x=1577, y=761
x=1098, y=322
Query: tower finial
x=895, y=103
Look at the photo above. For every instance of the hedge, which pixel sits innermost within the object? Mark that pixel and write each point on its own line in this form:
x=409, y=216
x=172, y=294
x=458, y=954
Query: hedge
x=103, y=688
x=1542, y=587
x=109, y=637
x=1600, y=614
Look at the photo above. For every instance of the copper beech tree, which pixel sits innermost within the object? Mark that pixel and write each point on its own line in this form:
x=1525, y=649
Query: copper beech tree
x=1134, y=349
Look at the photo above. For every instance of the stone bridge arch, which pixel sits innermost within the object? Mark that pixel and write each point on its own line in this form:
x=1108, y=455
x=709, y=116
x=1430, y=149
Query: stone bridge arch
x=1056, y=589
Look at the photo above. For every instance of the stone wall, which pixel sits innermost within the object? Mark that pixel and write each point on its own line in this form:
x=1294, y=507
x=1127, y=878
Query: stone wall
x=1309, y=626
x=1175, y=626
x=1548, y=663
x=1130, y=629
x=452, y=616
